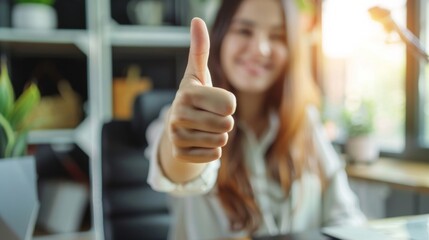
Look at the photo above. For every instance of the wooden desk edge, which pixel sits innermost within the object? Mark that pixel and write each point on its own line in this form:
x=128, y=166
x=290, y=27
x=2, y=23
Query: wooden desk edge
x=417, y=181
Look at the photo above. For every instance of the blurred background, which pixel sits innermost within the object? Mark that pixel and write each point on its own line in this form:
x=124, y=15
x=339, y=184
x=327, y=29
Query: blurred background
x=92, y=58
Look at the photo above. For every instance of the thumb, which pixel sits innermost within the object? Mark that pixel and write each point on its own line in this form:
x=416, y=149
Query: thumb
x=199, y=53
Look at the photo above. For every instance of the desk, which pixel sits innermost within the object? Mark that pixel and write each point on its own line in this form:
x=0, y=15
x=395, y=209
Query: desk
x=408, y=227
x=310, y=235
x=402, y=227
x=397, y=173
x=398, y=228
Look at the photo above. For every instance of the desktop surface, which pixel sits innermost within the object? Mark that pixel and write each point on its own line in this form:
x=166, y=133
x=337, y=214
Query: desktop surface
x=399, y=228
x=309, y=235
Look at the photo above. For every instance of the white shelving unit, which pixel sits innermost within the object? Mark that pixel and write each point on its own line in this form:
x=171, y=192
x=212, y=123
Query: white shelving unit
x=142, y=36
x=64, y=43
x=59, y=36
x=95, y=43
x=54, y=136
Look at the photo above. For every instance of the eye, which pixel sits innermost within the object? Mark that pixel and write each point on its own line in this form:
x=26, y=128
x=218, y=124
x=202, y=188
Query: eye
x=244, y=32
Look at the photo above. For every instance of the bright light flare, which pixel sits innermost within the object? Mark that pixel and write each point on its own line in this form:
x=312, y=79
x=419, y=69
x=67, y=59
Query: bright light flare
x=346, y=25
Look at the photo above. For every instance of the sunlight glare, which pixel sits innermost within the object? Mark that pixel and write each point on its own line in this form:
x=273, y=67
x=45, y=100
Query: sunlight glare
x=346, y=25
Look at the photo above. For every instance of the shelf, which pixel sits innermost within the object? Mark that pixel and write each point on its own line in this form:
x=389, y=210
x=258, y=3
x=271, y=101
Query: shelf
x=68, y=236
x=50, y=40
x=57, y=136
x=148, y=36
x=58, y=36
x=80, y=135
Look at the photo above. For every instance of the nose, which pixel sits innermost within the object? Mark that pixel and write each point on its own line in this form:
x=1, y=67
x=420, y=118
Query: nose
x=261, y=46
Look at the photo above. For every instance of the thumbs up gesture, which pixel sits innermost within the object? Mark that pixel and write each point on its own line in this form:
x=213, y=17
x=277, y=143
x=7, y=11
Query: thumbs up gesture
x=200, y=118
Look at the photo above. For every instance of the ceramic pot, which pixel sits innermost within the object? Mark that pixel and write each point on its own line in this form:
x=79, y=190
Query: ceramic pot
x=145, y=12
x=19, y=204
x=34, y=16
x=362, y=149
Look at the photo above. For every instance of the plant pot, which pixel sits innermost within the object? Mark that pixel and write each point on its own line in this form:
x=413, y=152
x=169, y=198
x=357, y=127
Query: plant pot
x=145, y=12
x=19, y=204
x=34, y=16
x=362, y=149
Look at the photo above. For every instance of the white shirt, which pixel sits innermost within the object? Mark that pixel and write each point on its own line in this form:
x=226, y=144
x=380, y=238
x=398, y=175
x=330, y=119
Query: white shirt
x=198, y=214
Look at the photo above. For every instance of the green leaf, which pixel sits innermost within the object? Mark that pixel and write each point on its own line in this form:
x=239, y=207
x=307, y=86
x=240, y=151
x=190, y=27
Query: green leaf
x=45, y=2
x=3, y=142
x=7, y=96
x=10, y=136
x=25, y=104
x=359, y=120
x=20, y=147
x=305, y=5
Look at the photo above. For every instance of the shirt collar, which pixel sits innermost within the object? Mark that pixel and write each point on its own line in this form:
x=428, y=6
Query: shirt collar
x=268, y=137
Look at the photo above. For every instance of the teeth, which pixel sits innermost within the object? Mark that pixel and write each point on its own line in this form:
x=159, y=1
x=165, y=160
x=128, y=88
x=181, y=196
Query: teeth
x=255, y=67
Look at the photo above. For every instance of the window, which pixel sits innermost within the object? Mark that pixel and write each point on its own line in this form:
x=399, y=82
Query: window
x=363, y=63
x=425, y=75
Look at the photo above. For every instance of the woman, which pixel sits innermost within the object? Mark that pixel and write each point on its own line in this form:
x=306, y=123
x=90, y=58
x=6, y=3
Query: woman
x=247, y=156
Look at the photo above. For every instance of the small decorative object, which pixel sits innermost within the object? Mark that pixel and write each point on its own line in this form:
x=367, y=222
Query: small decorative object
x=145, y=12
x=61, y=111
x=361, y=146
x=34, y=14
x=125, y=91
x=54, y=195
x=18, y=202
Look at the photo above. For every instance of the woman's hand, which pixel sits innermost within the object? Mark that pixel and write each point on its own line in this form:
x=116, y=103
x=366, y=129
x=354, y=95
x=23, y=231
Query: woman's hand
x=200, y=116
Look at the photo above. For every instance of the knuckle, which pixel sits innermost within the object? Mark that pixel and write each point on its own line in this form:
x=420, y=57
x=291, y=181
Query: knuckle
x=223, y=139
x=225, y=124
x=216, y=153
x=230, y=103
x=229, y=109
x=178, y=117
x=186, y=95
x=229, y=123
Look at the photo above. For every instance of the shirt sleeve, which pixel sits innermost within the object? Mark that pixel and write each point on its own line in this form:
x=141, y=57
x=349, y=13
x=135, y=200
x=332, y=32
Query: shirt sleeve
x=156, y=178
x=340, y=204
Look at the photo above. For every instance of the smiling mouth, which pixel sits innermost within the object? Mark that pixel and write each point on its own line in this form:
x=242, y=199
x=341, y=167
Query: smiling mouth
x=254, y=69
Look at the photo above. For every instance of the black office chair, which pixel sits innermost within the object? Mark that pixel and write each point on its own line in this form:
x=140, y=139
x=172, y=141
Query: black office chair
x=131, y=209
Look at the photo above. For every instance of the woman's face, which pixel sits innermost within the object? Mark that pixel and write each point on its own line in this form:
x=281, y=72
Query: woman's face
x=254, y=52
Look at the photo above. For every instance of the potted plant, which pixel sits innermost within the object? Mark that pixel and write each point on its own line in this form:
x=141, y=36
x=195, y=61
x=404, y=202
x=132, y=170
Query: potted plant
x=18, y=202
x=34, y=14
x=361, y=145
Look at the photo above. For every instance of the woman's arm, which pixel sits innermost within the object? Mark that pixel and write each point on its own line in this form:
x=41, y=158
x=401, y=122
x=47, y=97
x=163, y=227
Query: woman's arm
x=340, y=204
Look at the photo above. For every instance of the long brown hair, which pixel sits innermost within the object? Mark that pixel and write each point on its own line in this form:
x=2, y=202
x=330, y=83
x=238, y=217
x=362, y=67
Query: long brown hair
x=290, y=97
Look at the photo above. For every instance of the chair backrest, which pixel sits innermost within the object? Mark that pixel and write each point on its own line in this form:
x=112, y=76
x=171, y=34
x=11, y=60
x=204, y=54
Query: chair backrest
x=146, y=108
x=131, y=209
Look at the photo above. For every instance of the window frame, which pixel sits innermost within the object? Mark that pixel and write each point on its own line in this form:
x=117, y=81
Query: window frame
x=414, y=148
